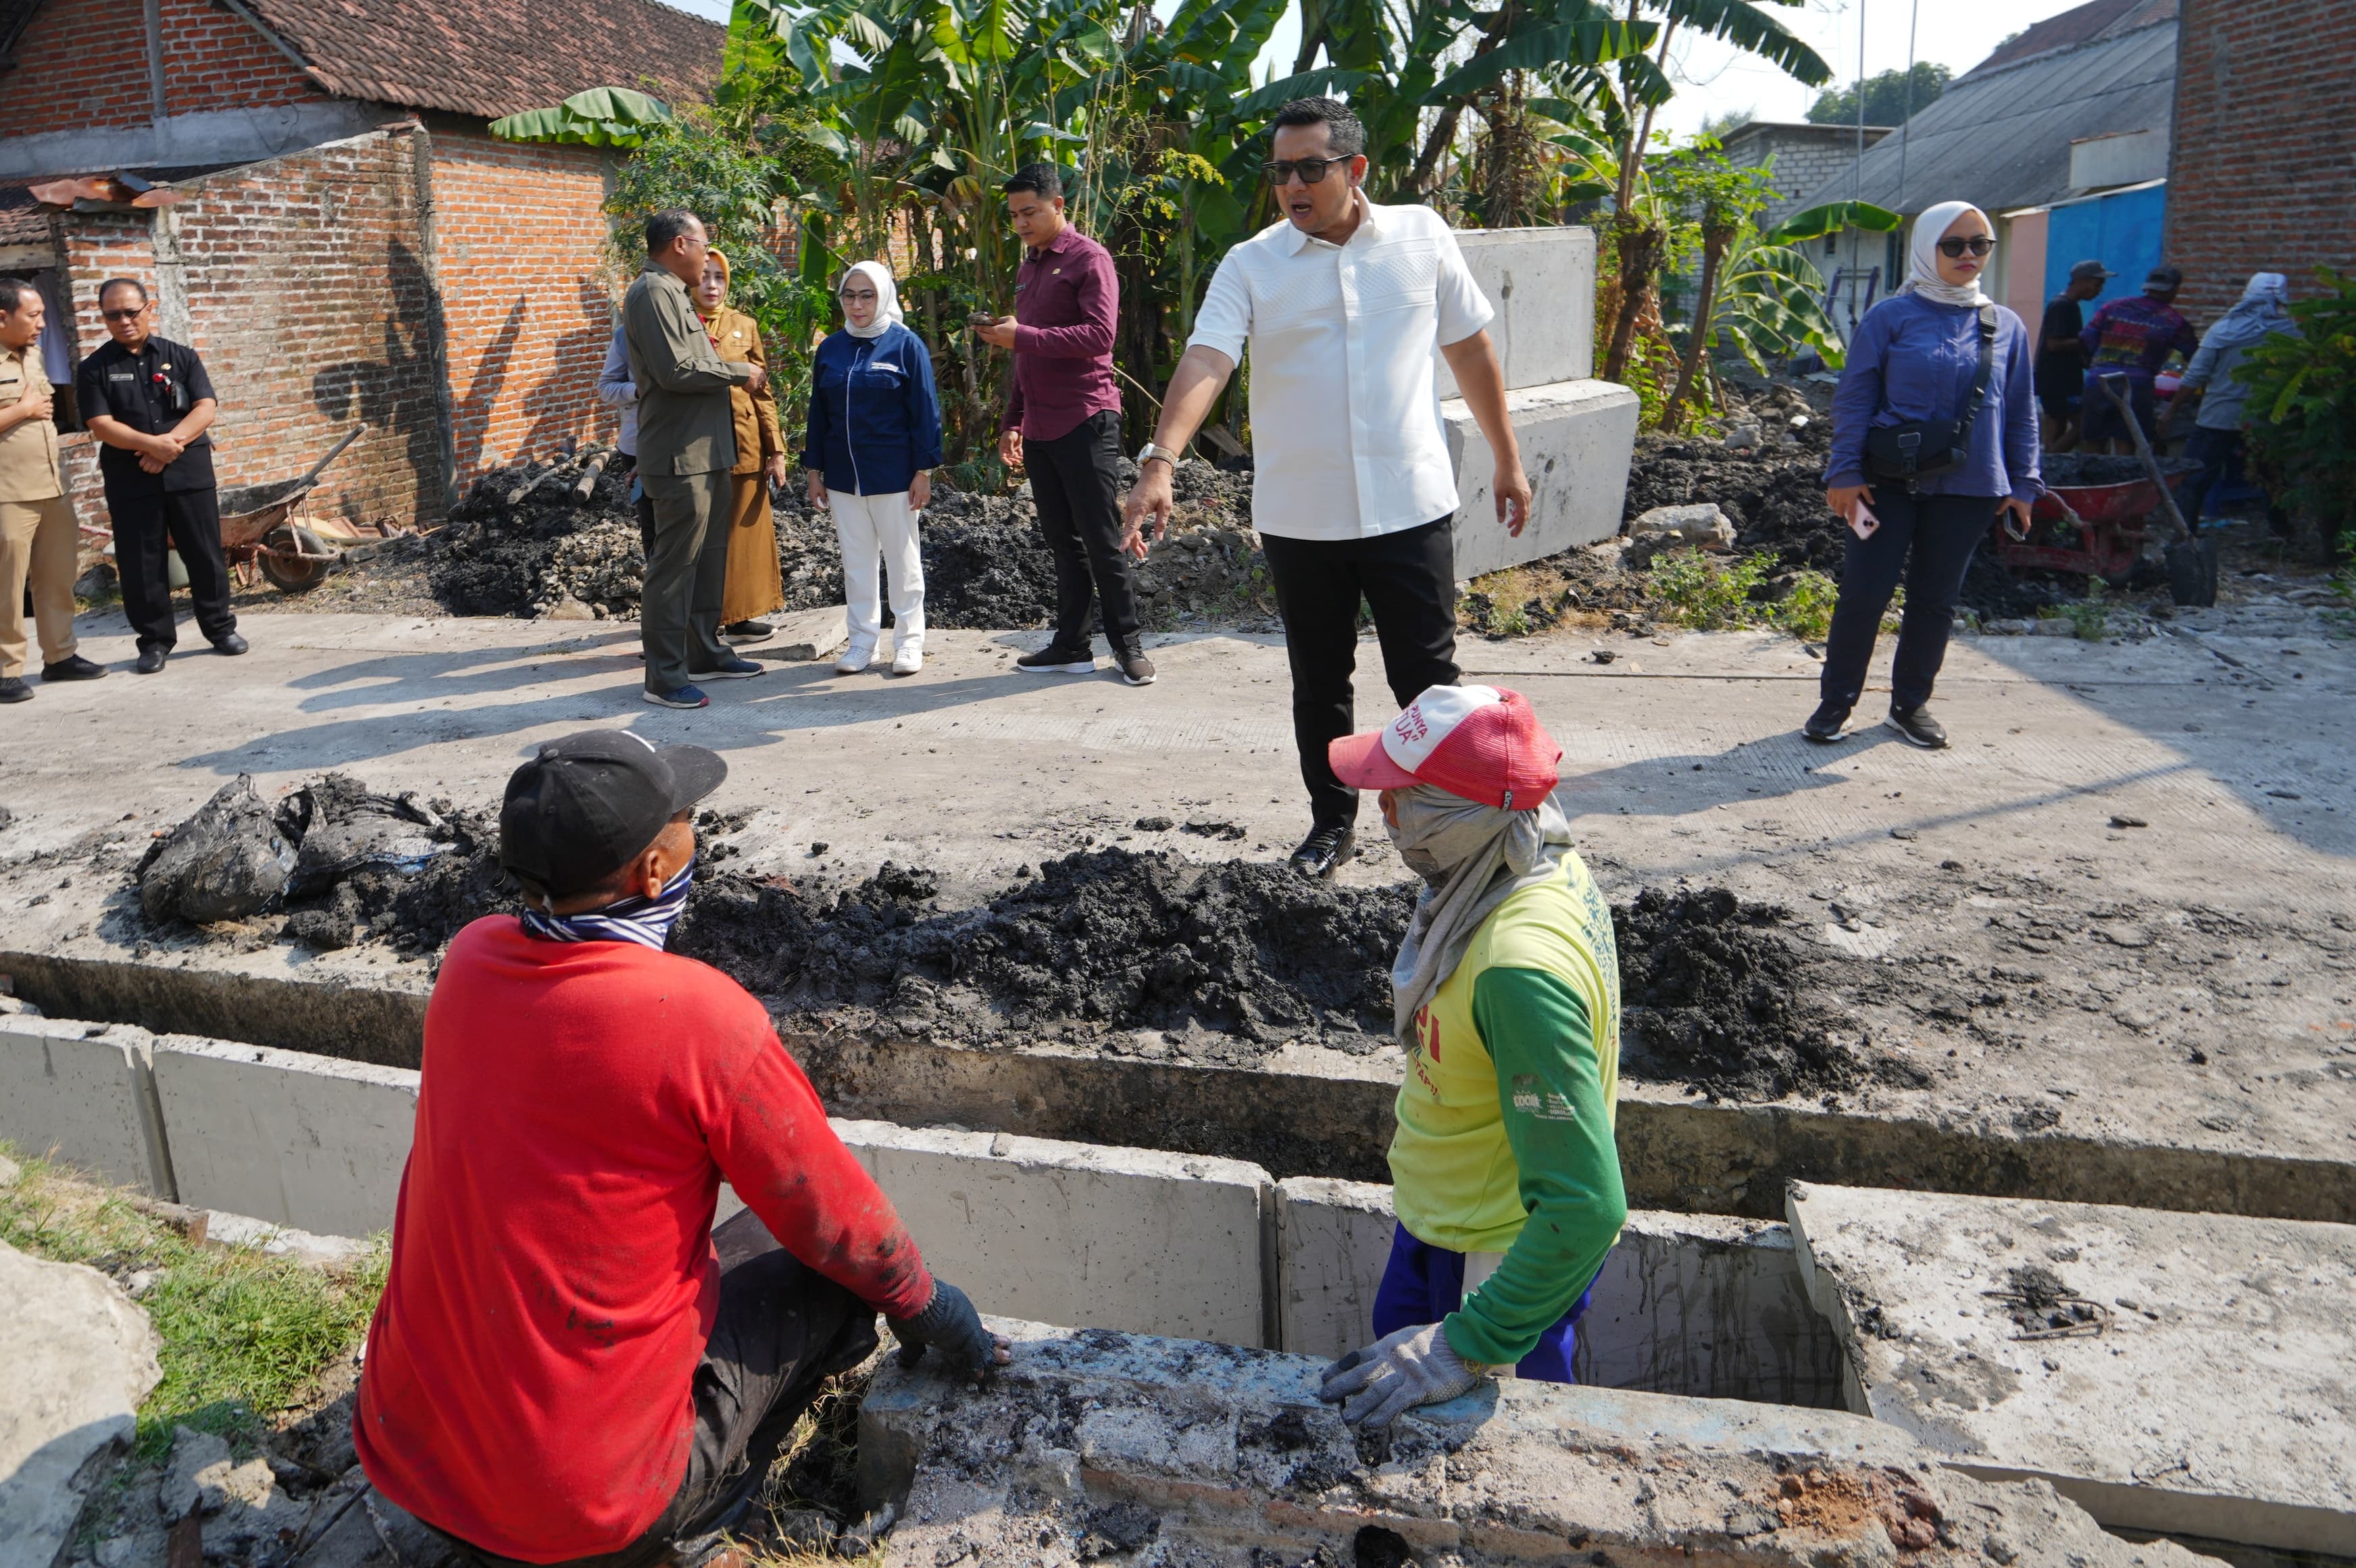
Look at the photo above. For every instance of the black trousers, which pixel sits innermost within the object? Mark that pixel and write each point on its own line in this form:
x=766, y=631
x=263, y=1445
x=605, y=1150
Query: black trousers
x=1929, y=541
x=1075, y=484
x=781, y=1331
x=145, y=528
x=1408, y=579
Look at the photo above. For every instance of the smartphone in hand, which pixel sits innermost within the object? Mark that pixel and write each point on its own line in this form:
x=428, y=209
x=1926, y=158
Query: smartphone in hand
x=1861, y=520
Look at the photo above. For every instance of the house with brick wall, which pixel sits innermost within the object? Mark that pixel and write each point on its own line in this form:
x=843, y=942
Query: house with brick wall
x=309, y=191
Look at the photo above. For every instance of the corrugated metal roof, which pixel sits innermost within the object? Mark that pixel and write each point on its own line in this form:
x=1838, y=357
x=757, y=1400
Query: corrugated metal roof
x=1999, y=137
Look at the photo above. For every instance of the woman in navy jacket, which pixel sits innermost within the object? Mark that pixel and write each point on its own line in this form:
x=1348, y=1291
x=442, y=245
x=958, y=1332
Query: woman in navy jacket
x=874, y=429
x=1914, y=358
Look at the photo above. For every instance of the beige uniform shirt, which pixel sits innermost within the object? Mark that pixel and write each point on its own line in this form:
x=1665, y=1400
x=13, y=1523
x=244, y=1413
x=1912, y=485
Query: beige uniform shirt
x=686, y=423
x=28, y=451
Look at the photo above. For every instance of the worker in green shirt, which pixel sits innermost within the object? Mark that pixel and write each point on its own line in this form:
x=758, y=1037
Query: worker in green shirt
x=1506, y=991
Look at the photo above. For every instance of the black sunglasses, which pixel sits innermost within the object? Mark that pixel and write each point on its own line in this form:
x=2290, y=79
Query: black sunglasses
x=1311, y=170
x=131, y=315
x=1978, y=245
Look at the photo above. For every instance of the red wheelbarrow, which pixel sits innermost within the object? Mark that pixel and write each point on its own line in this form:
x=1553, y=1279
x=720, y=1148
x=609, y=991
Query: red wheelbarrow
x=2095, y=529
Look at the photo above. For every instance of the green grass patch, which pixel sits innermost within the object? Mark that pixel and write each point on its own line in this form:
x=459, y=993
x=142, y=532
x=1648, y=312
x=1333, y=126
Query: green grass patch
x=244, y=1334
x=1709, y=592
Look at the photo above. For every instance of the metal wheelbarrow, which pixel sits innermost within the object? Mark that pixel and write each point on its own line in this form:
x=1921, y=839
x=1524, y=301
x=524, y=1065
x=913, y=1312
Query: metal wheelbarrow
x=265, y=528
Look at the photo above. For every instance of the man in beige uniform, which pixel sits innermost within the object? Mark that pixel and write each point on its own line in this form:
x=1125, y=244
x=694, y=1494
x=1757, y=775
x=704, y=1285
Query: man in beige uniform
x=687, y=444
x=37, y=522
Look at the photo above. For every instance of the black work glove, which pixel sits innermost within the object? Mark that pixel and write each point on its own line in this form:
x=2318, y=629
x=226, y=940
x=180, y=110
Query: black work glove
x=949, y=1322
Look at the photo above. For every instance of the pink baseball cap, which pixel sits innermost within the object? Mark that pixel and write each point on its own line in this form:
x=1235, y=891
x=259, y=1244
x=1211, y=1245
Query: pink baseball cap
x=1481, y=742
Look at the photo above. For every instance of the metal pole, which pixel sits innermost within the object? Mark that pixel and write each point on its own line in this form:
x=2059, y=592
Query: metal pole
x=1906, y=126
x=1857, y=169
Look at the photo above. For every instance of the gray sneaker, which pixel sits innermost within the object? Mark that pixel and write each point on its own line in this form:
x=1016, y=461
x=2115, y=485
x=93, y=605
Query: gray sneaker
x=1135, y=668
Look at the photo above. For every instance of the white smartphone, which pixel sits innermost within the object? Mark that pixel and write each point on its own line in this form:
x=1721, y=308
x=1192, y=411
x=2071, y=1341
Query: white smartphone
x=1861, y=520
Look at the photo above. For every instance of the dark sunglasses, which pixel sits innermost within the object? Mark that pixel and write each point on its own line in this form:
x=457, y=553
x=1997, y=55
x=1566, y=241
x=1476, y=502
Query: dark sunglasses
x=131, y=315
x=1311, y=170
x=1978, y=245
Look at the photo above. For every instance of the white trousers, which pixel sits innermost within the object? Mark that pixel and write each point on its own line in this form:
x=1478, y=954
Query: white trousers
x=880, y=530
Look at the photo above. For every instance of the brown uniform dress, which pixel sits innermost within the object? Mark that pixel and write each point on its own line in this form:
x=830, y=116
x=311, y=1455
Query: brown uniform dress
x=37, y=536
x=755, y=585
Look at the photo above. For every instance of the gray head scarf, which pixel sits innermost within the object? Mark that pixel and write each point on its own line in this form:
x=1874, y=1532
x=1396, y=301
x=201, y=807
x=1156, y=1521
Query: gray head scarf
x=1472, y=859
x=2264, y=307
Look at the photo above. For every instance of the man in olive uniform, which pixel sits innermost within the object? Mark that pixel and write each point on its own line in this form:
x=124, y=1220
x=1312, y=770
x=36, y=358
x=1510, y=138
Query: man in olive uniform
x=687, y=444
x=37, y=522
x=149, y=402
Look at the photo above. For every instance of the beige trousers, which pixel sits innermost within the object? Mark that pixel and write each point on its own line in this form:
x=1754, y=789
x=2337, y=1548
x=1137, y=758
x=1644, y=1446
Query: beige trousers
x=37, y=545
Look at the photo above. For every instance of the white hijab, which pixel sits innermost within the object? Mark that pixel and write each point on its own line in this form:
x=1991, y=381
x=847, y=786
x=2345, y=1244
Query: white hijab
x=1922, y=257
x=887, y=299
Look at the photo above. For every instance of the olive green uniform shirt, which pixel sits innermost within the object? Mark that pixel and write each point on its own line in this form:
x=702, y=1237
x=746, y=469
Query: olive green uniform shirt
x=686, y=423
x=28, y=451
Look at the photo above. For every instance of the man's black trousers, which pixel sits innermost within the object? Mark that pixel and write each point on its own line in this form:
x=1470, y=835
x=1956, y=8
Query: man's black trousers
x=780, y=1332
x=1075, y=484
x=1929, y=541
x=146, y=525
x=1408, y=579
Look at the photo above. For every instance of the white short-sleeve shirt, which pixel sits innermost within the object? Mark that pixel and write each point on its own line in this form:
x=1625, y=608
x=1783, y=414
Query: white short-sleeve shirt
x=1347, y=438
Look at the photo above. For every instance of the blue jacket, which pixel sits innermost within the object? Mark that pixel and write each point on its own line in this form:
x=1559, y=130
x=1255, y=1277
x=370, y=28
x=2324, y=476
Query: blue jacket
x=874, y=418
x=1914, y=359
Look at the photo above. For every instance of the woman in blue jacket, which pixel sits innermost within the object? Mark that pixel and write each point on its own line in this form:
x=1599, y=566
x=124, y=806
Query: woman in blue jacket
x=874, y=429
x=1919, y=468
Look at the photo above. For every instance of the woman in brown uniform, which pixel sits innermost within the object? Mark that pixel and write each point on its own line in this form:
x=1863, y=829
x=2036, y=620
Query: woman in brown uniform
x=754, y=585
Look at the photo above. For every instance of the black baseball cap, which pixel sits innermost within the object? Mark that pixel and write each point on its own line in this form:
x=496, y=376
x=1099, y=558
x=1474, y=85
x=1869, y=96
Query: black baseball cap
x=2090, y=269
x=583, y=805
x=2163, y=280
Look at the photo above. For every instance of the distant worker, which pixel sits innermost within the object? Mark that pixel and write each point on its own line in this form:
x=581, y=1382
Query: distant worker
x=2061, y=358
x=2132, y=336
x=2210, y=381
x=1354, y=494
x=873, y=438
x=569, y=1364
x=754, y=585
x=1506, y=996
x=149, y=402
x=1062, y=425
x=686, y=447
x=38, y=540
x=618, y=392
x=1934, y=436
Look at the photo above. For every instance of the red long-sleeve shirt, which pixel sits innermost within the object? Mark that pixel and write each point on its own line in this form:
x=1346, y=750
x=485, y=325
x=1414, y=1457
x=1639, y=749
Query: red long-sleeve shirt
x=1066, y=297
x=528, y=1382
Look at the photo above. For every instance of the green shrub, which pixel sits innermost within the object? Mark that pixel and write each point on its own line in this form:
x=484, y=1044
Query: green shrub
x=2302, y=408
x=1806, y=611
x=1707, y=592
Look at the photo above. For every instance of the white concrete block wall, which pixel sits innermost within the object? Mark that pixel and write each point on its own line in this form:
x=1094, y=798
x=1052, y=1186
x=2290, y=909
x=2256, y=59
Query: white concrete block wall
x=1333, y=1240
x=1110, y=1238
x=82, y=1092
x=1541, y=283
x=299, y=1140
x=1576, y=439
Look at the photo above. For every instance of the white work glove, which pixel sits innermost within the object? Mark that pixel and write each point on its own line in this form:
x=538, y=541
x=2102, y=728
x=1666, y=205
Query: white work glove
x=1415, y=1366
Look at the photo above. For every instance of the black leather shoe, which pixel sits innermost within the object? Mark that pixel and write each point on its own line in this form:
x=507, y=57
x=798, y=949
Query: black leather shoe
x=1324, y=849
x=14, y=689
x=73, y=667
x=1920, y=729
x=151, y=660
x=230, y=643
x=1827, y=723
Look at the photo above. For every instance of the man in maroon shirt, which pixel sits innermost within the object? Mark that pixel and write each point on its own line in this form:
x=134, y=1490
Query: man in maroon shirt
x=569, y=1365
x=1063, y=424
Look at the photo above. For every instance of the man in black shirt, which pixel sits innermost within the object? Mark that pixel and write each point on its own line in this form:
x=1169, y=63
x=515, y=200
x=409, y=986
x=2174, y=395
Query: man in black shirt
x=150, y=402
x=2061, y=358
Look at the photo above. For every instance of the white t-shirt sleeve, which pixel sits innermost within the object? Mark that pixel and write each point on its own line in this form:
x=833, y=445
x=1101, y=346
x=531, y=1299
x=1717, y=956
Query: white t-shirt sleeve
x=1226, y=319
x=1464, y=308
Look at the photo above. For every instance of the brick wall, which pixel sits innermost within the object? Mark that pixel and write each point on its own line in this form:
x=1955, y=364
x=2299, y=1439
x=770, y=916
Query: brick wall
x=2262, y=173
x=83, y=66
x=527, y=284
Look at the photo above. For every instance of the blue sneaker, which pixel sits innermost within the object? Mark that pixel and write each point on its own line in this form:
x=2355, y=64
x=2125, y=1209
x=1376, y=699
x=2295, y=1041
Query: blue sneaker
x=684, y=696
x=735, y=669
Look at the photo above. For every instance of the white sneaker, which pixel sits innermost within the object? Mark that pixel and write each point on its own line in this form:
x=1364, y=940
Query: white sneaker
x=908, y=660
x=854, y=659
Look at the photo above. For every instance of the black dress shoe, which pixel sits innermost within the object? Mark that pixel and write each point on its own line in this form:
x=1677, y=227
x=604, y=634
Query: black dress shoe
x=14, y=689
x=73, y=667
x=230, y=643
x=1324, y=849
x=151, y=660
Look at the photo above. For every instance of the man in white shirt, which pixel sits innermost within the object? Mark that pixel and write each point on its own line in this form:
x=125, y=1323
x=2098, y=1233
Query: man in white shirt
x=1342, y=305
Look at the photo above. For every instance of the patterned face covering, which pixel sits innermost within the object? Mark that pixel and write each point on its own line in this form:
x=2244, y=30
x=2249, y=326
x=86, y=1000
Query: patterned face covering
x=645, y=921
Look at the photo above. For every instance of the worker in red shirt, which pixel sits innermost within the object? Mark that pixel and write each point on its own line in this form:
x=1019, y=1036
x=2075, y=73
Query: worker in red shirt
x=569, y=1363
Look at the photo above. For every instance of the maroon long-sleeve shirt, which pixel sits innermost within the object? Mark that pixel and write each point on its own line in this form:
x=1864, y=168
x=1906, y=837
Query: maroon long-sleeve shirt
x=1065, y=298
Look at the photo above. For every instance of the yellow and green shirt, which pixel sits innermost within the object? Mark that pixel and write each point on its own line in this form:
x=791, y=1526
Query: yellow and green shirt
x=1505, y=1140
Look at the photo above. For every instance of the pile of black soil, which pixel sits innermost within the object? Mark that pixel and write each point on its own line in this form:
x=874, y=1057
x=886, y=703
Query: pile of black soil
x=522, y=544
x=1712, y=997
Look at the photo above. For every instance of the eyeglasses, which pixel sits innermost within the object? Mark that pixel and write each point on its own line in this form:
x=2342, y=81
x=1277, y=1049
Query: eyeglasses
x=1978, y=245
x=133, y=313
x=864, y=296
x=1311, y=170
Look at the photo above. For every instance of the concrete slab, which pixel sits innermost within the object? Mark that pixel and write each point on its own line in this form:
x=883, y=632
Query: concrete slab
x=296, y=1140
x=1092, y=1444
x=1542, y=284
x=1333, y=1239
x=1112, y=1237
x=83, y=1092
x=2179, y=1373
x=1576, y=439
x=78, y=1357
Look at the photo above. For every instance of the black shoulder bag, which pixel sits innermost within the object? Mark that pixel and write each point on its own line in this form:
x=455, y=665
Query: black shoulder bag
x=1919, y=449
